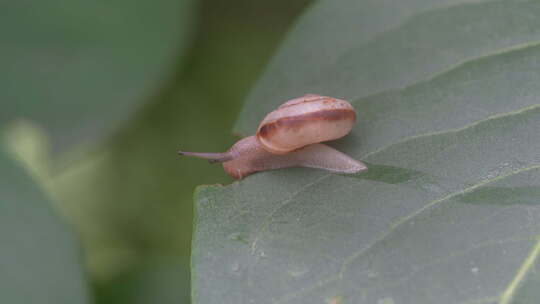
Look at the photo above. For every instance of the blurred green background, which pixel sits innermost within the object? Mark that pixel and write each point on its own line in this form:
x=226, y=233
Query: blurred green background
x=127, y=194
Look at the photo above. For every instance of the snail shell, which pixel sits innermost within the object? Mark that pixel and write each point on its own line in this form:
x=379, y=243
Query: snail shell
x=303, y=121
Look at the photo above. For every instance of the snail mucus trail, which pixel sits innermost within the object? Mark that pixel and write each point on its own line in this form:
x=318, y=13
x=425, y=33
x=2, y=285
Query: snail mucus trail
x=291, y=136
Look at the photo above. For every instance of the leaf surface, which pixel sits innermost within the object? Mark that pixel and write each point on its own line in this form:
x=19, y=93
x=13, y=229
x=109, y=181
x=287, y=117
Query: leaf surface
x=80, y=68
x=449, y=119
x=40, y=260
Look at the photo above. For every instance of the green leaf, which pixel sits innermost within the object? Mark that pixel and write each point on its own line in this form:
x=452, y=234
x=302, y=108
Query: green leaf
x=40, y=261
x=366, y=47
x=449, y=127
x=80, y=68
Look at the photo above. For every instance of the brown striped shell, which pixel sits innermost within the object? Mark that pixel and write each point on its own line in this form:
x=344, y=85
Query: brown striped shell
x=303, y=121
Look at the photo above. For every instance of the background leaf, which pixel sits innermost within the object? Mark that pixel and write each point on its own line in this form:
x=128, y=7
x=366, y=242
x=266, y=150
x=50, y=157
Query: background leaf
x=447, y=97
x=131, y=197
x=40, y=261
x=79, y=68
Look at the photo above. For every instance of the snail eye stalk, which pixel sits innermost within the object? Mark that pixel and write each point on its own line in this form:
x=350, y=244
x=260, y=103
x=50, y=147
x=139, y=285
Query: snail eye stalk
x=212, y=157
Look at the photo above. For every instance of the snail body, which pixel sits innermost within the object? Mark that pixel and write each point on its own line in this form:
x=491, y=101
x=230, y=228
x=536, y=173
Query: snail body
x=290, y=136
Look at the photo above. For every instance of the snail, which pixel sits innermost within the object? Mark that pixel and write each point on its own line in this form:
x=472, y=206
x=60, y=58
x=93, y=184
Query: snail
x=291, y=136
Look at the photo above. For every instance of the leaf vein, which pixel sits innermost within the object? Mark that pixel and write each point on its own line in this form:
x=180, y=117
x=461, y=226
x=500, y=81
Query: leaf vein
x=402, y=221
x=456, y=130
x=500, y=52
x=266, y=221
x=452, y=255
x=522, y=272
x=429, y=205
